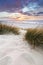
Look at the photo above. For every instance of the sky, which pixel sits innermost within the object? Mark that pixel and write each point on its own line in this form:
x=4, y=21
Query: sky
x=21, y=9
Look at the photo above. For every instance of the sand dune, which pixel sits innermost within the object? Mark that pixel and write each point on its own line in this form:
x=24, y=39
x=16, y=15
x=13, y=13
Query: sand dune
x=16, y=51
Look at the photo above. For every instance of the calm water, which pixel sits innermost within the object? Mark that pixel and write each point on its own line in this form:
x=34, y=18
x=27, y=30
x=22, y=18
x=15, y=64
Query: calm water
x=23, y=24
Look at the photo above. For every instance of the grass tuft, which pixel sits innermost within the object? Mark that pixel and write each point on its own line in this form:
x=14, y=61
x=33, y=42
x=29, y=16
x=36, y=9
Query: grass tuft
x=5, y=29
x=34, y=36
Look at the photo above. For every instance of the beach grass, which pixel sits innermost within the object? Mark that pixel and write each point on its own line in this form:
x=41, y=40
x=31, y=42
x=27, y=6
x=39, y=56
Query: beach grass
x=5, y=29
x=34, y=36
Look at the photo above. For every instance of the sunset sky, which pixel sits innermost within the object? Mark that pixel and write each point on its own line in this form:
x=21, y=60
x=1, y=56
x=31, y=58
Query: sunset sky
x=21, y=9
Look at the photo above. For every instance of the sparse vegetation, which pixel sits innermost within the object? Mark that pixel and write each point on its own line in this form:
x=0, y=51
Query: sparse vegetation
x=5, y=29
x=34, y=36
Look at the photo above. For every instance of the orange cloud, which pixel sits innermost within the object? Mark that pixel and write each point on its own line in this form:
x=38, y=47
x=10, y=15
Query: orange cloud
x=21, y=17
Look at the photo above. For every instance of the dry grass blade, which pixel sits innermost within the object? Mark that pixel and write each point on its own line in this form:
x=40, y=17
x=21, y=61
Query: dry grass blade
x=8, y=29
x=34, y=36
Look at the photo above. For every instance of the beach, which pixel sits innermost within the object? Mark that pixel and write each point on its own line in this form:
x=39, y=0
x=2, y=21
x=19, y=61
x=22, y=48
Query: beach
x=14, y=50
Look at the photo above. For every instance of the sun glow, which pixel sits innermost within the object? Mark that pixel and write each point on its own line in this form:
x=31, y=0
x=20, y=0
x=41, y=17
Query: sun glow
x=21, y=17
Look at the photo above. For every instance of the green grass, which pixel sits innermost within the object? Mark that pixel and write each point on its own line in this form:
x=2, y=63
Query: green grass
x=5, y=29
x=34, y=36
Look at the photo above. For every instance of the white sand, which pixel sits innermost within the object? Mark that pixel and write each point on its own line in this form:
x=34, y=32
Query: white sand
x=16, y=51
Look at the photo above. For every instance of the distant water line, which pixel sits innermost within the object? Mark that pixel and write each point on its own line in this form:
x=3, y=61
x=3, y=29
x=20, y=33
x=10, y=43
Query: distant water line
x=23, y=24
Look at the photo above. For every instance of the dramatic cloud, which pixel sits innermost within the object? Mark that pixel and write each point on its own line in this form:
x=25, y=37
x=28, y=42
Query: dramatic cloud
x=25, y=7
x=19, y=16
x=31, y=8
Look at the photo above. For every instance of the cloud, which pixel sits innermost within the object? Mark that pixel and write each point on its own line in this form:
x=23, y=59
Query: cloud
x=4, y=14
x=19, y=16
x=22, y=17
x=27, y=7
x=32, y=9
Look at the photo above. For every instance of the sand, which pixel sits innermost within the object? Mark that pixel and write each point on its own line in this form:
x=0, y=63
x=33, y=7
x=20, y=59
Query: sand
x=14, y=50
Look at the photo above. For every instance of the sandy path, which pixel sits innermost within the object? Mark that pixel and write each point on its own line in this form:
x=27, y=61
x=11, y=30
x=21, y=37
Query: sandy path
x=15, y=51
